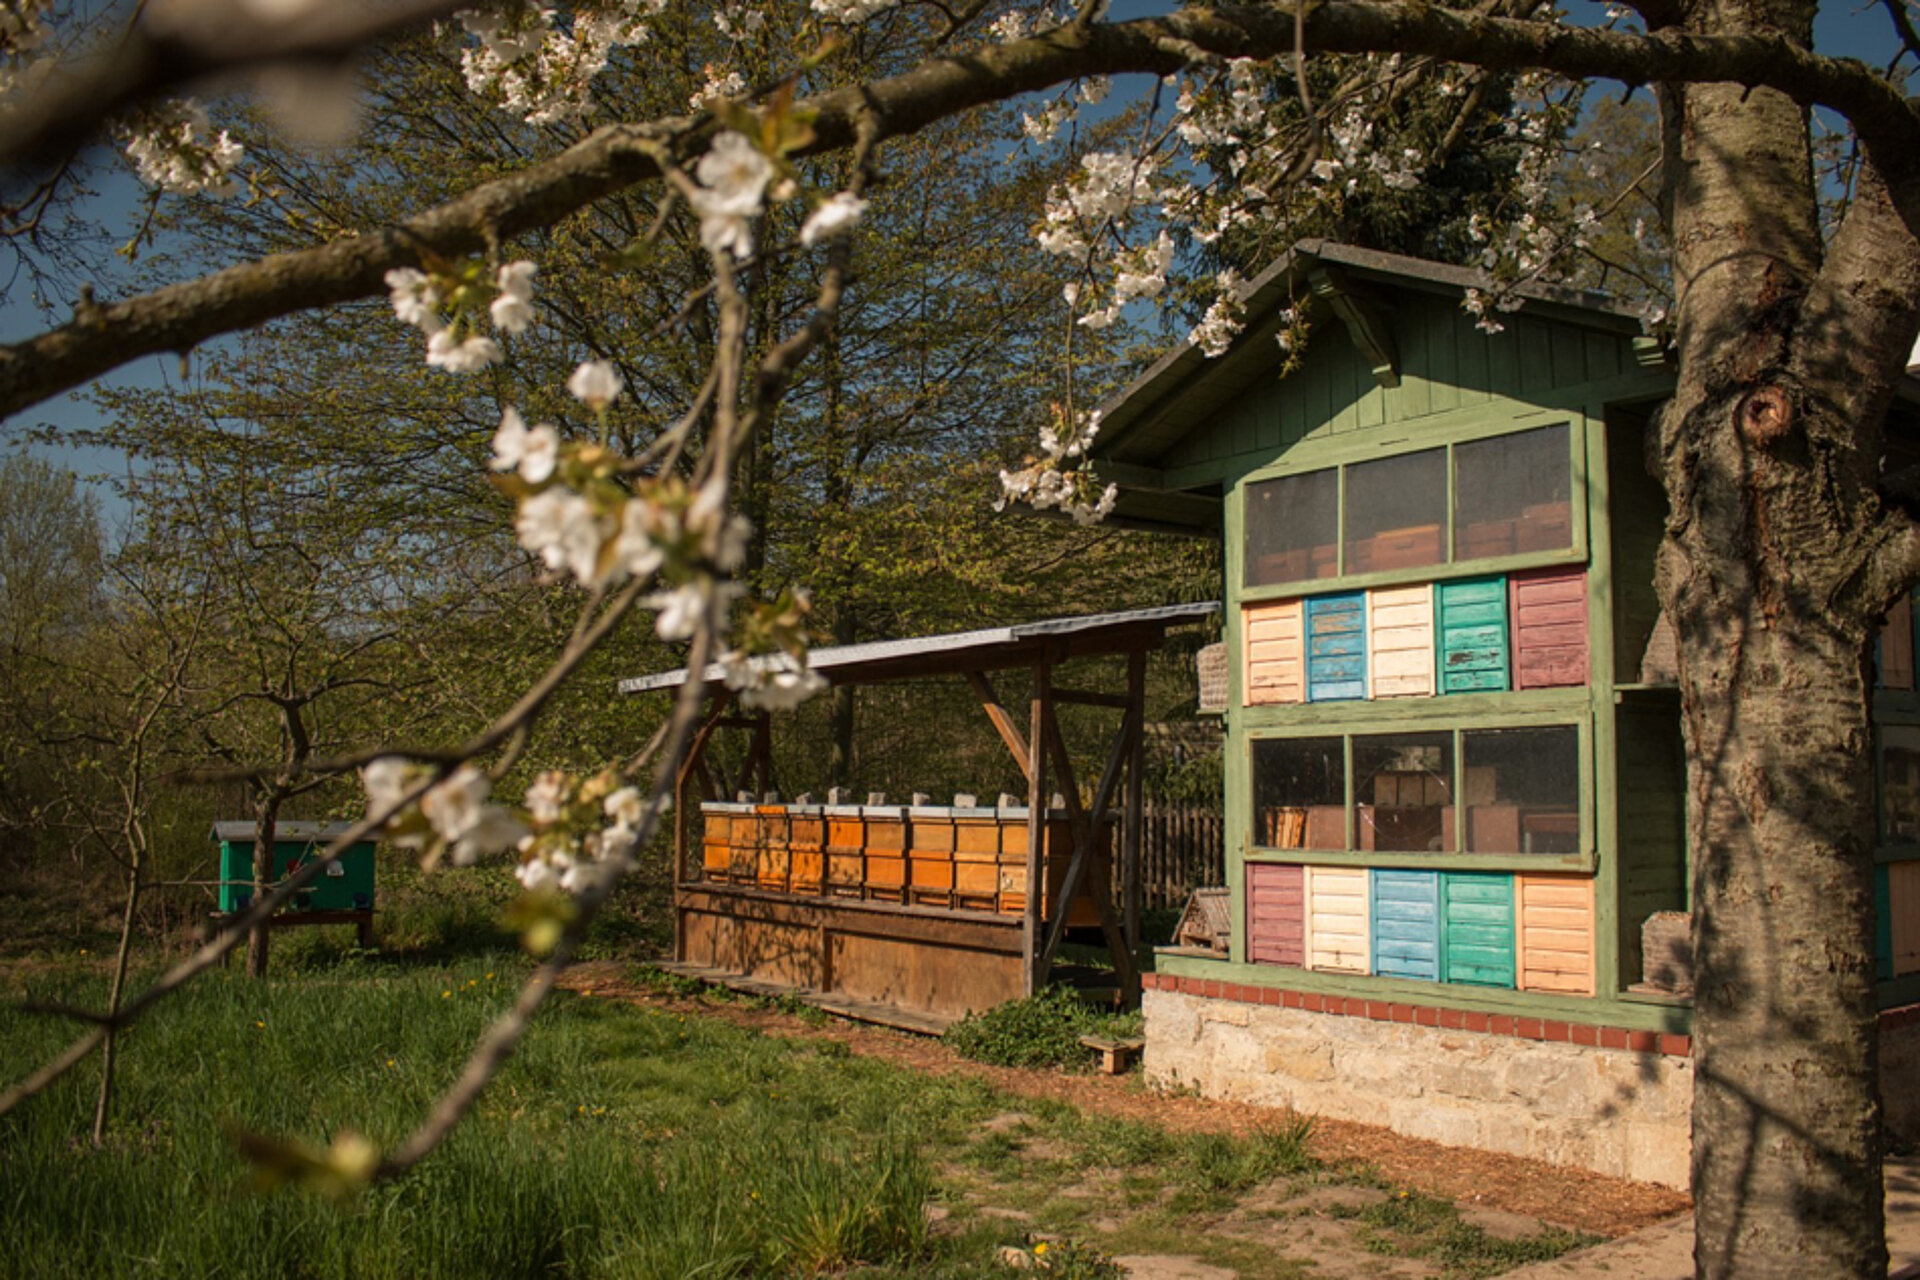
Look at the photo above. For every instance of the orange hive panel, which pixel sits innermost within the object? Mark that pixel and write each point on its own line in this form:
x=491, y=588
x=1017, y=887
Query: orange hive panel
x=1555, y=933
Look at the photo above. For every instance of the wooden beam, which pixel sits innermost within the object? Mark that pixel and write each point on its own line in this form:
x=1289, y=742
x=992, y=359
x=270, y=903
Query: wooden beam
x=682, y=820
x=1133, y=809
x=1087, y=858
x=1366, y=321
x=1036, y=969
x=1002, y=721
x=975, y=931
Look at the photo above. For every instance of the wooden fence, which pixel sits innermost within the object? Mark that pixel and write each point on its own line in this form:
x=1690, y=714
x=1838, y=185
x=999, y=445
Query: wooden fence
x=1183, y=849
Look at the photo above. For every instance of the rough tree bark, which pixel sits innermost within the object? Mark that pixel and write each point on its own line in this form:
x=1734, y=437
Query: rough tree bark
x=1780, y=558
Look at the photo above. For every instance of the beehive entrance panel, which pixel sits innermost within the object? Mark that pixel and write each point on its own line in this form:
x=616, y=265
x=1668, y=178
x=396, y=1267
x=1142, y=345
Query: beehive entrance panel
x=1336, y=647
x=1275, y=653
x=1477, y=928
x=1400, y=642
x=1549, y=628
x=1903, y=901
x=1556, y=934
x=1406, y=923
x=1473, y=635
x=1337, y=933
x=1277, y=914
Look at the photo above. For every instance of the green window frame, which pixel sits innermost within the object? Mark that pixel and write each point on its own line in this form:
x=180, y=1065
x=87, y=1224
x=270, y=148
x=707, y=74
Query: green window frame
x=1451, y=562
x=1582, y=859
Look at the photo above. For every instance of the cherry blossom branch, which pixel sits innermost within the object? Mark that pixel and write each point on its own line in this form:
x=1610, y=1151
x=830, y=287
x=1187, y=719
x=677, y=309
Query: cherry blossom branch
x=200, y=42
x=177, y=318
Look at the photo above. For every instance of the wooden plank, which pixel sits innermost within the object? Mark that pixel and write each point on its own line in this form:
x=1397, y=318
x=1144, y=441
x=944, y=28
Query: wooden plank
x=1477, y=928
x=1404, y=918
x=1133, y=801
x=1336, y=647
x=1472, y=638
x=1555, y=942
x=1549, y=628
x=1337, y=929
x=1034, y=978
x=971, y=930
x=1275, y=652
x=1277, y=914
x=1400, y=642
x=931, y=1024
x=996, y=713
x=1903, y=915
x=1893, y=648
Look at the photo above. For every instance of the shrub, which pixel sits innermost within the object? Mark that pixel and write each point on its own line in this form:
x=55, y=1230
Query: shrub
x=1043, y=1030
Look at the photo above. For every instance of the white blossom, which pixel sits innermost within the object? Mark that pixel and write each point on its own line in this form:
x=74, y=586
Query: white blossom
x=834, y=217
x=175, y=148
x=680, y=611
x=512, y=310
x=733, y=178
x=596, y=384
x=851, y=12
x=546, y=796
x=475, y=353
x=532, y=451
x=416, y=299
x=634, y=548
x=562, y=528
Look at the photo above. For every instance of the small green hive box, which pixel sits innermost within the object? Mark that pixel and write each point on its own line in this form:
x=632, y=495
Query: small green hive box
x=345, y=885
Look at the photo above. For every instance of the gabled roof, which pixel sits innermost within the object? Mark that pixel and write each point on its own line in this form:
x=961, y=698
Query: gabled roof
x=993, y=648
x=1185, y=389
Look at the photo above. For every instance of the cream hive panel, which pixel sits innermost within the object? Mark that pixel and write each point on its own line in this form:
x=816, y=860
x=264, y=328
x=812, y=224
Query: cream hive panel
x=1275, y=653
x=1400, y=646
x=1338, y=932
x=1556, y=933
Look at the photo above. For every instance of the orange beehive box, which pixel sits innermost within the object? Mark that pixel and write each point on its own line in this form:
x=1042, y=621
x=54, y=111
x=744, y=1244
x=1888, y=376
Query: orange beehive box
x=1555, y=939
x=930, y=839
x=806, y=843
x=886, y=854
x=716, y=854
x=845, y=850
x=1275, y=650
x=774, y=864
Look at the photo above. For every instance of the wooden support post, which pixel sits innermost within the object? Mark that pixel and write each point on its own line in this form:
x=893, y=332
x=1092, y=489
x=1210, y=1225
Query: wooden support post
x=682, y=820
x=760, y=756
x=1003, y=722
x=1132, y=818
x=1036, y=967
x=1087, y=859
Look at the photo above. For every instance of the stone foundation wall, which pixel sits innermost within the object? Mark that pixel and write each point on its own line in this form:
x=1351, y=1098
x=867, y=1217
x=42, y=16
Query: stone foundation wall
x=1622, y=1112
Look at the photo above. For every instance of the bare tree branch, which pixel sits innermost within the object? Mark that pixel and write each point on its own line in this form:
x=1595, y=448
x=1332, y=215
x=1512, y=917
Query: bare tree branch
x=176, y=318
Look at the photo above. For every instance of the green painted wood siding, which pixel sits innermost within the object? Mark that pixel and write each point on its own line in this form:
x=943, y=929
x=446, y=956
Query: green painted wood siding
x=1446, y=364
x=1473, y=635
x=1637, y=518
x=1652, y=824
x=1477, y=928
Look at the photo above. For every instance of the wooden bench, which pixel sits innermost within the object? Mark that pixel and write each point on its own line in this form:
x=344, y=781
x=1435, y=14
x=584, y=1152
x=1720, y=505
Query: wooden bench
x=1116, y=1053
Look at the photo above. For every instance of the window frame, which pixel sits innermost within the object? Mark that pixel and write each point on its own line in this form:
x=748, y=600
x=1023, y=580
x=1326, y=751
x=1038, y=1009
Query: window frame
x=1301, y=461
x=1581, y=722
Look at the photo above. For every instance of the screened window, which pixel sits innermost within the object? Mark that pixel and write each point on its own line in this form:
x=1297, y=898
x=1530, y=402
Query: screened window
x=1512, y=494
x=1404, y=792
x=1300, y=793
x=1900, y=783
x=1397, y=512
x=1521, y=789
x=1293, y=528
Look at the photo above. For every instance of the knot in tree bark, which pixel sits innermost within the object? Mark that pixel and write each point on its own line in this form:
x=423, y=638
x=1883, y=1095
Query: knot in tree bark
x=1765, y=415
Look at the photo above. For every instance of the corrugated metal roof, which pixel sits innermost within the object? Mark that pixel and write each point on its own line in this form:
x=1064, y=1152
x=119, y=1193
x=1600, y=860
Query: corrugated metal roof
x=283, y=830
x=852, y=658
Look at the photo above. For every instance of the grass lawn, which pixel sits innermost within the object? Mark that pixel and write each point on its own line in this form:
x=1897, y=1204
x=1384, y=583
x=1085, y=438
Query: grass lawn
x=624, y=1141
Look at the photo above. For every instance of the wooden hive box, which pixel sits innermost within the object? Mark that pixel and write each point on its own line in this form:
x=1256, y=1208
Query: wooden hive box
x=1405, y=916
x=1206, y=923
x=1472, y=624
x=806, y=846
x=1893, y=649
x=1549, y=610
x=1336, y=647
x=1400, y=641
x=716, y=836
x=930, y=855
x=1556, y=933
x=1476, y=928
x=1013, y=861
x=845, y=850
x=886, y=854
x=1276, y=913
x=774, y=863
x=743, y=845
x=1337, y=930
x=1275, y=652
x=1903, y=915
x=976, y=859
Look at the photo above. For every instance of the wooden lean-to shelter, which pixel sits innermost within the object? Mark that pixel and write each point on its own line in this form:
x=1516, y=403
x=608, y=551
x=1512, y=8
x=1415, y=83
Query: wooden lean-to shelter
x=916, y=914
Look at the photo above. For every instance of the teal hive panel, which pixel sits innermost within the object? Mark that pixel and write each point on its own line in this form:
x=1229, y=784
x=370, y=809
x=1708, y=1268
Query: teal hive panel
x=1473, y=635
x=1476, y=910
x=1406, y=923
x=1337, y=647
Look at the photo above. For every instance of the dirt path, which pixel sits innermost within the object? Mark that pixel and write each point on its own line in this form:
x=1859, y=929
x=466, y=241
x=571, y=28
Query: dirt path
x=1475, y=1180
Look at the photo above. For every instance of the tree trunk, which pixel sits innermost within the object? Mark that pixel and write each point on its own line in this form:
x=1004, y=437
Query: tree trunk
x=266, y=818
x=110, y=1047
x=840, y=715
x=1773, y=499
